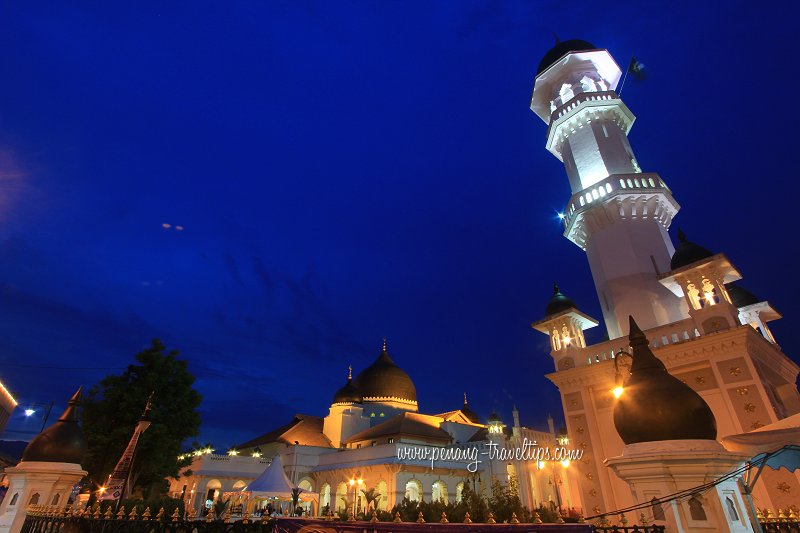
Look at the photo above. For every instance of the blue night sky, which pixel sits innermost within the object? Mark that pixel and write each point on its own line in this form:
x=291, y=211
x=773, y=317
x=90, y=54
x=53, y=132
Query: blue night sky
x=345, y=171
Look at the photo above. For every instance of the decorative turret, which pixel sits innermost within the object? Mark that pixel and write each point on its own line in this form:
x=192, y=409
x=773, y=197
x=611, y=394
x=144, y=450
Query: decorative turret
x=348, y=393
x=469, y=413
x=49, y=469
x=564, y=324
x=617, y=214
x=753, y=310
x=700, y=276
x=495, y=424
x=656, y=406
x=63, y=442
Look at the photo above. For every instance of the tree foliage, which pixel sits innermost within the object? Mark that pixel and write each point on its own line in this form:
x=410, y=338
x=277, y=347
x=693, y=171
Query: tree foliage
x=113, y=406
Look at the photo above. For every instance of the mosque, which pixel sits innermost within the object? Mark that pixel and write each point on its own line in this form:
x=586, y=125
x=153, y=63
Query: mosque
x=698, y=334
x=355, y=448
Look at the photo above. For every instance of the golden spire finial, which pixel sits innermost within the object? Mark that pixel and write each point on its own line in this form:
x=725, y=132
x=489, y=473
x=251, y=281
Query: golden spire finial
x=350, y=372
x=384, y=344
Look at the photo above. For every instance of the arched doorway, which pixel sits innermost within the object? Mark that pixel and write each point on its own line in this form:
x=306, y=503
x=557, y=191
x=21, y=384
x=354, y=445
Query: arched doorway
x=414, y=490
x=213, y=488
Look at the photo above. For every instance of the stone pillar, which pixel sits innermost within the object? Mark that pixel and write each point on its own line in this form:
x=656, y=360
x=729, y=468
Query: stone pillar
x=661, y=468
x=36, y=483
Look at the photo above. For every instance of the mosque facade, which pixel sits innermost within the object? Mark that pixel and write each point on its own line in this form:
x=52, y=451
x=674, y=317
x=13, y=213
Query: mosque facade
x=372, y=423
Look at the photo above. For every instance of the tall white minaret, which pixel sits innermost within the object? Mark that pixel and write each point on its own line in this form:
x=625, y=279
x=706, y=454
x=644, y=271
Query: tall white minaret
x=618, y=214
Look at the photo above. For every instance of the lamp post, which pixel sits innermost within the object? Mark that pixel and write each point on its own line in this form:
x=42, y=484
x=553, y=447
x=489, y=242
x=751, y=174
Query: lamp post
x=618, y=381
x=30, y=411
x=356, y=484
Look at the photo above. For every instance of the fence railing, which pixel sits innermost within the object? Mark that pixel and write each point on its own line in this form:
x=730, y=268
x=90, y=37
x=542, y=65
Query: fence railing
x=50, y=519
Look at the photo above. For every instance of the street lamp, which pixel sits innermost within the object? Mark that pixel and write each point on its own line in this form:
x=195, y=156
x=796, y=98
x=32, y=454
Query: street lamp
x=356, y=484
x=30, y=411
x=618, y=381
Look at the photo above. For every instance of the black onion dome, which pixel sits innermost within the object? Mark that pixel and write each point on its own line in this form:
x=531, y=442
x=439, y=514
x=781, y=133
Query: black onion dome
x=384, y=379
x=560, y=50
x=741, y=297
x=494, y=418
x=471, y=415
x=655, y=405
x=687, y=252
x=348, y=393
x=63, y=442
x=558, y=303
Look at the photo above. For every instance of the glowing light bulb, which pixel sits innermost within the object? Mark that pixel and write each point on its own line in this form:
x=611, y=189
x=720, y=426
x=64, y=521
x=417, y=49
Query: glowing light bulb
x=29, y=412
x=565, y=463
x=617, y=392
x=561, y=216
x=540, y=465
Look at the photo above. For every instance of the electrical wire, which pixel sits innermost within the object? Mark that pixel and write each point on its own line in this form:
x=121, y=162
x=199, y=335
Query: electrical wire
x=690, y=492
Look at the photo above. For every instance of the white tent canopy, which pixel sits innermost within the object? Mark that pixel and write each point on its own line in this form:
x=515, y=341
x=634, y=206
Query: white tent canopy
x=783, y=436
x=273, y=483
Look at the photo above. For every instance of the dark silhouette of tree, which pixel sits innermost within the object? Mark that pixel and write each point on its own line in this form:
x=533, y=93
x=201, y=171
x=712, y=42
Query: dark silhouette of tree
x=113, y=406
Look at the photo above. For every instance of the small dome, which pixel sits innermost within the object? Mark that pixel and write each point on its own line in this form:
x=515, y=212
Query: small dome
x=558, y=303
x=560, y=50
x=384, y=379
x=471, y=415
x=741, y=297
x=63, y=442
x=494, y=418
x=348, y=393
x=687, y=252
x=656, y=405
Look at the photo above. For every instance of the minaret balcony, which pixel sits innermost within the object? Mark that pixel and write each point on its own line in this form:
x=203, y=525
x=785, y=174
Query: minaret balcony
x=582, y=109
x=637, y=195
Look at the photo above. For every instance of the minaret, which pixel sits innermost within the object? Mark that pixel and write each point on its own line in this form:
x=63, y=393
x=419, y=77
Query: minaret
x=618, y=214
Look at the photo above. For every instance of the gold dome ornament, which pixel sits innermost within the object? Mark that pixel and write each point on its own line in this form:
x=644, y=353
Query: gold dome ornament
x=397, y=518
x=420, y=518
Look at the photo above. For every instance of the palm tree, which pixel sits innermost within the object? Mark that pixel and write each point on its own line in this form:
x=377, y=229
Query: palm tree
x=372, y=497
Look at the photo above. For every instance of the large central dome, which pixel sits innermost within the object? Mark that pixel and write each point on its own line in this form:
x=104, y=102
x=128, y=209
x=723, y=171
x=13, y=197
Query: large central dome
x=384, y=380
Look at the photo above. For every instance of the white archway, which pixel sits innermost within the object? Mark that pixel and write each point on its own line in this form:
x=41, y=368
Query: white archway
x=383, y=501
x=414, y=490
x=439, y=491
x=341, y=497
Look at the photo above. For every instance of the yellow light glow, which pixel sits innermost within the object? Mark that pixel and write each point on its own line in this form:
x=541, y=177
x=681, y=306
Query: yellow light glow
x=8, y=394
x=567, y=339
x=540, y=465
x=102, y=490
x=565, y=463
x=710, y=298
x=352, y=482
x=256, y=454
x=233, y=452
x=360, y=481
x=617, y=392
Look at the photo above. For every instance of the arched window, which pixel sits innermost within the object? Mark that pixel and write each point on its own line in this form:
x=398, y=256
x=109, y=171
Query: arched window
x=459, y=491
x=439, y=492
x=55, y=499
x=14, y=499
x=34, y=499
x=658, y=511
x=696, y=510
x=213, y=488
x=341, y=497
x=325, y=496
x=239, y=485
x=414, y=490
x=566, y=93
x=382, y=489
x=588, y=84
x=732, y=514
x=305, y=485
